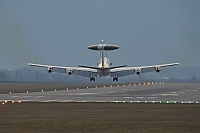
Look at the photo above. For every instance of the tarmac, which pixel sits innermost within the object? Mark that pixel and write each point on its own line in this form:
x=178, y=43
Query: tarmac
x=127, y=93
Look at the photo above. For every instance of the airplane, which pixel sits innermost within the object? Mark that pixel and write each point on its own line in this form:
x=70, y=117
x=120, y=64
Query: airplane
x=104, y=66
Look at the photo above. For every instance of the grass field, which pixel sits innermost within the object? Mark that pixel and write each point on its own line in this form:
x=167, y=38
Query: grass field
x=99, y=117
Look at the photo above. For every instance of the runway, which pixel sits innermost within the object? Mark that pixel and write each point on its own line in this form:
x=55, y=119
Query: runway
x=131, y=93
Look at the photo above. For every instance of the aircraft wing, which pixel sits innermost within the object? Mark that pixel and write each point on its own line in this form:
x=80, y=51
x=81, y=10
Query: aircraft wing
x=125, y=71
x=86, y=72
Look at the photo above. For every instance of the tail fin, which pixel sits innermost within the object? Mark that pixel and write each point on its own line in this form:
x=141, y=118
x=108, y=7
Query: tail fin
x=102, y=55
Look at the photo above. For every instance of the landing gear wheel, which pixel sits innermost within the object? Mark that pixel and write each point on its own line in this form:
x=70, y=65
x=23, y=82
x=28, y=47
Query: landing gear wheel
x=115, y=78
x=92, y=78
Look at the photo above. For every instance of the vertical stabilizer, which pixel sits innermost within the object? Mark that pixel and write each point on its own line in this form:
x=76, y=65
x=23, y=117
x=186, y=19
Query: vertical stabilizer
x=102, y=56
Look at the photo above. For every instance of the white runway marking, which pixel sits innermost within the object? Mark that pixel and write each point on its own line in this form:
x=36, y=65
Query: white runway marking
x=101, y=101
x=61, y=94
x=33, y=100
x=27, y=96
x=49, y=101
x=170, y=94
x=173, y=92
x=152, y=97
x=84, y=101
x=181, y=92
x=140, y=97
x=67, y=101
x=86, y=93
x=70, y=94
x=38, y=97
x=128, y=97
x=15, y=96
x=165, y=95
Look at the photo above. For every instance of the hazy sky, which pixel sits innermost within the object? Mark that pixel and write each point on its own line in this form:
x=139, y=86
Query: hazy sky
x=58, y=32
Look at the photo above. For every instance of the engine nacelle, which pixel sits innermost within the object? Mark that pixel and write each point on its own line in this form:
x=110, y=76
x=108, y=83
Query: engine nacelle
x=50, y=70
x=138, y=71
x=157, y=69
x=70, y=72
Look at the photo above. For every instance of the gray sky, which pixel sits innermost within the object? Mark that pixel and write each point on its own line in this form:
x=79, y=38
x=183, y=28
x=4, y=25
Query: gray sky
x=59, y=32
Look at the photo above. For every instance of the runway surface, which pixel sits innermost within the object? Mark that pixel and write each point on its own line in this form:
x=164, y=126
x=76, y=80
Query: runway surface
x=132, y=93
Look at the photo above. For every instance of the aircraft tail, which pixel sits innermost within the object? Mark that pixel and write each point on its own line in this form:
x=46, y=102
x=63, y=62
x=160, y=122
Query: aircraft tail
x=102, y=56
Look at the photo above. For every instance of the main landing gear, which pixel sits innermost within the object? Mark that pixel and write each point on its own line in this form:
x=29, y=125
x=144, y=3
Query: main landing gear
x=92, y=78
x=115, y=78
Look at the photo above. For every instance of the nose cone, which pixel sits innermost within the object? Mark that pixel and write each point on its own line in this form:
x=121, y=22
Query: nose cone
x=106, y=47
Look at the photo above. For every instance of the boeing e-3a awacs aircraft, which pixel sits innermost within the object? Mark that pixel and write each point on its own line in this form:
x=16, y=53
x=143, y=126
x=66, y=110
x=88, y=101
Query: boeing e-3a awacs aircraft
x=104, y=67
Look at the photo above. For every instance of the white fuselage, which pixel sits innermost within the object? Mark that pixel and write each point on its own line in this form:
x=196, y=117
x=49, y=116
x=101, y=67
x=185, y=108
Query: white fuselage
x=103, y=71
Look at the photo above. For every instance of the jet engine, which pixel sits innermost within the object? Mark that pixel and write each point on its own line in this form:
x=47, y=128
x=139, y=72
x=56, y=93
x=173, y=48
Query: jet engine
x=50, y=69
x=138, y=71
x=157, y=69
x=70, y=72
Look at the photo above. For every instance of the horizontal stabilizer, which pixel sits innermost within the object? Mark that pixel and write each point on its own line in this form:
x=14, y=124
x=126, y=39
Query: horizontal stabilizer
x=97, y=68
x=89, y=67
x=117, y=67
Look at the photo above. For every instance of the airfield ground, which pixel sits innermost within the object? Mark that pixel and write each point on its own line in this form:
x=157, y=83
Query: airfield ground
x=39, y=116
